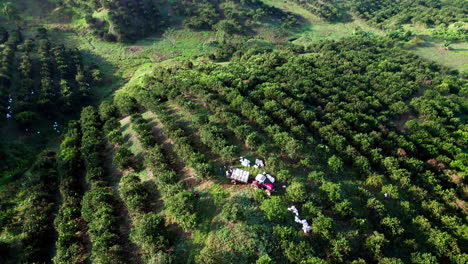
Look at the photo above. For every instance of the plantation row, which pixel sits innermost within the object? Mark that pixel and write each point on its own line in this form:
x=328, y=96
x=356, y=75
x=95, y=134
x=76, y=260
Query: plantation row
x=7, y=59
x=211, y=133
x=28, y=223
x=179, y=203
x=148, y=229
x=348, y=114
x=99, y=201
x=47, y=74
x=182, y=209
x=232, y=16
x=243, y=130
x=445, y=18
x=329, y=10
x=239, y=127
x=183, y=145
x=69, y=224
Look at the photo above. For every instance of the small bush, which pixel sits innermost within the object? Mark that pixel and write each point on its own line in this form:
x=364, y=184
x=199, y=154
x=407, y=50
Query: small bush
x=126, y=105
x=107, y=110
x=123, y=158
x=115, y=137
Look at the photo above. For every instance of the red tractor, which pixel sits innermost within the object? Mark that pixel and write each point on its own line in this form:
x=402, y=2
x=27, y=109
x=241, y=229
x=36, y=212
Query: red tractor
x=264, y=181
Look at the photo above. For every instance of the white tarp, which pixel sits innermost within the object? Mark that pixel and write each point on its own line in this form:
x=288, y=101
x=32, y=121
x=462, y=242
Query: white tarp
x=245, y=162
x=240, y=175
x=303, y=222
x=260, y=178
x=270, y=178
x=259, y=163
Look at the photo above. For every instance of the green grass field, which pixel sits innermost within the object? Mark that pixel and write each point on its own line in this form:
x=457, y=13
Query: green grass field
x=126, y=63
x=433, y=49
x=120, y=62
x=316, y=28
x=456, y=58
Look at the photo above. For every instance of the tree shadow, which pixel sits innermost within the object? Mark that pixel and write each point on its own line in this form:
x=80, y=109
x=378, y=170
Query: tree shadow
x=345, y=17
x=110, y=81
x=156, y=204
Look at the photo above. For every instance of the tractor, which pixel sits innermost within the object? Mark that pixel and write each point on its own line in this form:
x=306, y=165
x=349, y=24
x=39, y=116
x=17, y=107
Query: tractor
x=264, y=181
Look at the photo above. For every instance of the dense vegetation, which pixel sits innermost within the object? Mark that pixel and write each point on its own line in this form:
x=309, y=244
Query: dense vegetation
x=125, y=20
x=366, y=141
x=99, y=202
x=329, y=10
x=27, y=213
x=446, y=18
x=48, y=74
x=426, y=12
x=40, y=82
x=366, y=120
x=180, y=207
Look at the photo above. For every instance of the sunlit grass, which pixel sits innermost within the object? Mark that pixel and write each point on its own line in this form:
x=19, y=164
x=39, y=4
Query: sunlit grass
x=316, y=28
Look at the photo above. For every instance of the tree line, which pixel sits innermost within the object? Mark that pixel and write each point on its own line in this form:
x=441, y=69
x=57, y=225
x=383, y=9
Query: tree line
x=130, y=20
x=28, y=211
x=47, y=74
x=99, y=201
x=148, y=229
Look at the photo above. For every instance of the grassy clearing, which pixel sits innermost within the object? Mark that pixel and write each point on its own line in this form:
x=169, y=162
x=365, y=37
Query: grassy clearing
x=134, y=146
x=119, y=62
x=316, y=28
x=456, y=58
x=129, y=134
x=433, y=49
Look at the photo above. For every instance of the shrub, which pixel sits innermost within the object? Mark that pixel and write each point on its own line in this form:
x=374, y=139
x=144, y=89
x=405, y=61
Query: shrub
x=264, y=259
x=123, y=158
x=296, y=192
x=232, y=212
x=297, y=252
x=335, y=164
x=254, y=140
x=259, y=195
x=126, y=105
x=149, y=233
x=274, y=209
x=181, y=209
x=107, y=110
x=111, y=124
x=115, y=137
x=134, y=194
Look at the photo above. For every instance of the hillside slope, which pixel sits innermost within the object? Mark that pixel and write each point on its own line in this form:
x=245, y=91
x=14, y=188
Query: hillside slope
x=121, y=119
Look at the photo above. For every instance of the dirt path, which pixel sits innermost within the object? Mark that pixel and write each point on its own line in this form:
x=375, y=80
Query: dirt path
x=131, y=249
x=188, y=174
x=178, y=113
